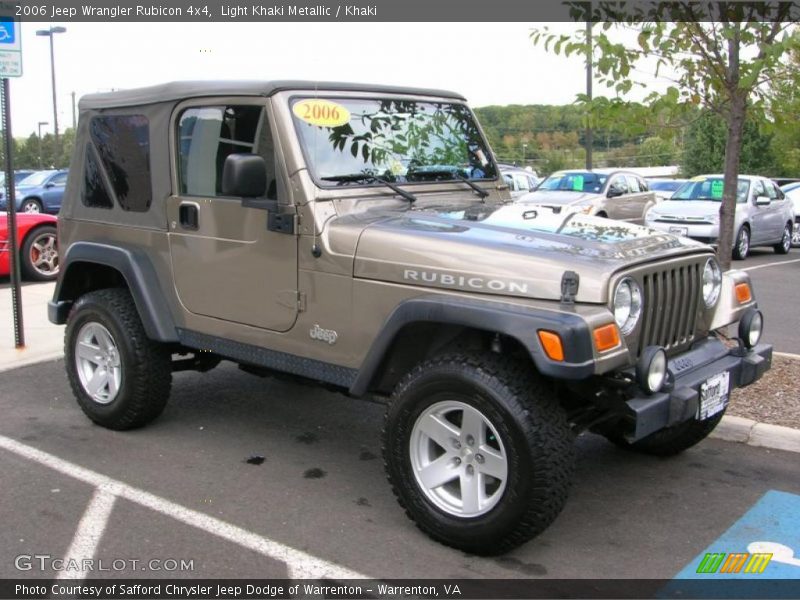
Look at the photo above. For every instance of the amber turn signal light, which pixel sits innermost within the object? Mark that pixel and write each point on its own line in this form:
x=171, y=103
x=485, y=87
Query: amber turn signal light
x=551, y=342
x=743, y=293
x=606, y=337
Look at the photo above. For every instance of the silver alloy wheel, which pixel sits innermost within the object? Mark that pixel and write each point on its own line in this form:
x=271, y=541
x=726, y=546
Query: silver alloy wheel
x=458, y=459
x=44, y=254
x=796, y=235
x=786, y=240
x=744, y=242
x=98, y=363
x=31, y=207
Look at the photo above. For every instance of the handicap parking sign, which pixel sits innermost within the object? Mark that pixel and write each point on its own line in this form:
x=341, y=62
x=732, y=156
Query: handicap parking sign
x=8, y=32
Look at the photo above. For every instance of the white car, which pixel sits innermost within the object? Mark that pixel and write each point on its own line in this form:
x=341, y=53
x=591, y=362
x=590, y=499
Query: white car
x=792, y=191
x=764, y=217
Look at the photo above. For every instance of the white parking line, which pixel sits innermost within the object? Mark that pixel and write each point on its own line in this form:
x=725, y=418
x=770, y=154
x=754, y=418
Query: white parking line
x=773, y=264
x=300, y=565
x=90, y=530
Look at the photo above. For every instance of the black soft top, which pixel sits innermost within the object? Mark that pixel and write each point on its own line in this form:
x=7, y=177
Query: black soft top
x=178, y=90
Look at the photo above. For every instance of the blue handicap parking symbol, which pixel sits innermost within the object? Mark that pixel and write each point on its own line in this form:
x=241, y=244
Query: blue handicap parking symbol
x=6, y=31
x=758, y=556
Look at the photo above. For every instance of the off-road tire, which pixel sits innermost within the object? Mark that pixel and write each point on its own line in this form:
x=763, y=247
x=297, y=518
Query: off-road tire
x=785, y=244
x=146, y=365
x=670, y=440
x=534, y=431
x=740, y=248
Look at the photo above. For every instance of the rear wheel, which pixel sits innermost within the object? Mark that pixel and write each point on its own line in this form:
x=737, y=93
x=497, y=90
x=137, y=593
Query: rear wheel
x=796, y=234
x=785, y=244
x=39, y=256
x=120, y=378
x=741, y=247
x=477, y=452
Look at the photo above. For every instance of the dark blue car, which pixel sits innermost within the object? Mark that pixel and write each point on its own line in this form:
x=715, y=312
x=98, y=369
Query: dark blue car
x=40, y=192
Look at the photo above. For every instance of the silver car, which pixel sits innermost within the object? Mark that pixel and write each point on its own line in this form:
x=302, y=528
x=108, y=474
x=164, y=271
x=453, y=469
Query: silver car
x=764, y=217
x=792, y=191
x=614, y=194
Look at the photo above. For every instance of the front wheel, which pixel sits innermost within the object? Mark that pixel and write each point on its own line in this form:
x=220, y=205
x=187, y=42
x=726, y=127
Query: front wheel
x=741, y=247
x=31, y=206
x=785, y=244
x=796, y=234
x=670, y=440
x=119, y=376
x=477, y=452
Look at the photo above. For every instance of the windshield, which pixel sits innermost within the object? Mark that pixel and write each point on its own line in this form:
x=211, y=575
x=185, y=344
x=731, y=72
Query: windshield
x=664, y=186
x=574, y=181
x=36, y=179
x=710, y=189
x=346, y=141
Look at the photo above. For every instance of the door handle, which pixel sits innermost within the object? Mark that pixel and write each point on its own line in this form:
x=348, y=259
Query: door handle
x=189, y=216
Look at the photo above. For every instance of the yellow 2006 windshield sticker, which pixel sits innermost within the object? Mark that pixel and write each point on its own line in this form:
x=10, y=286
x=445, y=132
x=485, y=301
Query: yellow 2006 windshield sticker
x=320, y=112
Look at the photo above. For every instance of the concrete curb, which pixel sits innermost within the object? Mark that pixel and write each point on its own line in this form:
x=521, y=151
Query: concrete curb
x=753, y=433
x=31, y=360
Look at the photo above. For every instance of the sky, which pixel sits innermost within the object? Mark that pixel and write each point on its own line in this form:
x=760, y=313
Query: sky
x=489, y=63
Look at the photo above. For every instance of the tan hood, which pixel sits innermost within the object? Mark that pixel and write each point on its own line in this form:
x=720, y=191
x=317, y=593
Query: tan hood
x=509, y=250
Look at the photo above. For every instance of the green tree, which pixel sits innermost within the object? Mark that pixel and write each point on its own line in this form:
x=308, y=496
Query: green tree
x=704, y=148
x=720, y=55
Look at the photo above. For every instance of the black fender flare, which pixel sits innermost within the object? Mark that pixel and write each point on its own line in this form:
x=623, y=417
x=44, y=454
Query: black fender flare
x=519, y=322
x=138, y=272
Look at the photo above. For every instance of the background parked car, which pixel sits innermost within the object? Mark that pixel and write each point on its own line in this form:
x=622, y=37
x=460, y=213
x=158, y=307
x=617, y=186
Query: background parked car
x=40, y=192
x=38, y=243
x=764, y=217
x=664, y=188
x=520, y=181
x=614, y=194
x=792, y=191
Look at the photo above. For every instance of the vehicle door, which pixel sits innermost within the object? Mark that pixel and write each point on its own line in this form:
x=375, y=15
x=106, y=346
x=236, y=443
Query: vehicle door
x=53, y=192
x=760, y=210
x=227, y=263
x=778, y=215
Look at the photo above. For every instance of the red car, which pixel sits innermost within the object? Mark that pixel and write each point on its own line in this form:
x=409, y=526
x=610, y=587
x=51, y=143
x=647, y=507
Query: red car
x=38, y=242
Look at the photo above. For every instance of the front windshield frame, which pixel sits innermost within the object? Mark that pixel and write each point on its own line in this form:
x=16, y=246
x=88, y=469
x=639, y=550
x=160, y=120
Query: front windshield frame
x=36, y=179
x=602, y=179
x=742, y=193
x=376, y=183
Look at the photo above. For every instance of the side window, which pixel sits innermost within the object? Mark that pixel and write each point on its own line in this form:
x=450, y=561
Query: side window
x=643, y=187
x=510, y=181
x=778, y=191
x=758, y=189
x=633, y=184
x=619, y=183
x=122, y=143
x=521, y=183
x=95, y=193
x=208, y=135
x=59, y=180
x=771, y=190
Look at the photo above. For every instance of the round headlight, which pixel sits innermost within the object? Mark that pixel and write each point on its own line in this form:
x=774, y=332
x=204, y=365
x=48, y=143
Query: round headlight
x=712, y=282
x=627, y=305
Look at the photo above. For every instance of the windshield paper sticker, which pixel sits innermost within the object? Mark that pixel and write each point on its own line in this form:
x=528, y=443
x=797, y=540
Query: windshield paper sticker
x=323, y=113
x=717, y=185
x=577, y=183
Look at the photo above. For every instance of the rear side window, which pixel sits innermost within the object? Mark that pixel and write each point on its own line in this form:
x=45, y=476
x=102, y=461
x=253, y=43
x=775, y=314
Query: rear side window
x=207, y=136
x=95, y=193
x=122, y=143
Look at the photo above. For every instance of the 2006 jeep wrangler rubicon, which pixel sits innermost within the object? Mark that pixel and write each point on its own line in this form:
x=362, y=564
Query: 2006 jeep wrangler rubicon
x=361, y=237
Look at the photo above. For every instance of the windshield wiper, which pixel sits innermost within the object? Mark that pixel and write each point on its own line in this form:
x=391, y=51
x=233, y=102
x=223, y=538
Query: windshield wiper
x=355, y=177
x=482, y=193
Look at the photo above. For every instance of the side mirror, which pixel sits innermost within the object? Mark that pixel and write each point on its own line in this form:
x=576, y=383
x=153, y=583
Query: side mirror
x=50, y=184
x=244, y=175
x=614, y=192
x=763, y=201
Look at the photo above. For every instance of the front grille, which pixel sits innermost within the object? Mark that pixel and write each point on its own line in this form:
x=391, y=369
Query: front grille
x=671, y=300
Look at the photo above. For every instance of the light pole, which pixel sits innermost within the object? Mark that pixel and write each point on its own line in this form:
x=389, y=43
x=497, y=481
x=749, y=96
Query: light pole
x=40, y=142
x=51, y=33
x=524, y=148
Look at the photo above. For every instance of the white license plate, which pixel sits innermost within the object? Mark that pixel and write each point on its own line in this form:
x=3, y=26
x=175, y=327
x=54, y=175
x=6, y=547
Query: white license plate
x=714, y=395
x=679, y=230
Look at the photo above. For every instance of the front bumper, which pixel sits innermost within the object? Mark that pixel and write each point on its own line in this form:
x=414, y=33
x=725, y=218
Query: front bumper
x=679, y=402
x=702, y=232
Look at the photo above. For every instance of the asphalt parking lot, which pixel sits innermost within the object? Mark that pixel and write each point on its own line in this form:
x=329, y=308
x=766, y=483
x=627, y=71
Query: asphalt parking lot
x=182, y=489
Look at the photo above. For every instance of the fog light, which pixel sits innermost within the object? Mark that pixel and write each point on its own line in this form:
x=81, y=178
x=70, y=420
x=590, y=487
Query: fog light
x=750, y=327
x=651, y=370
